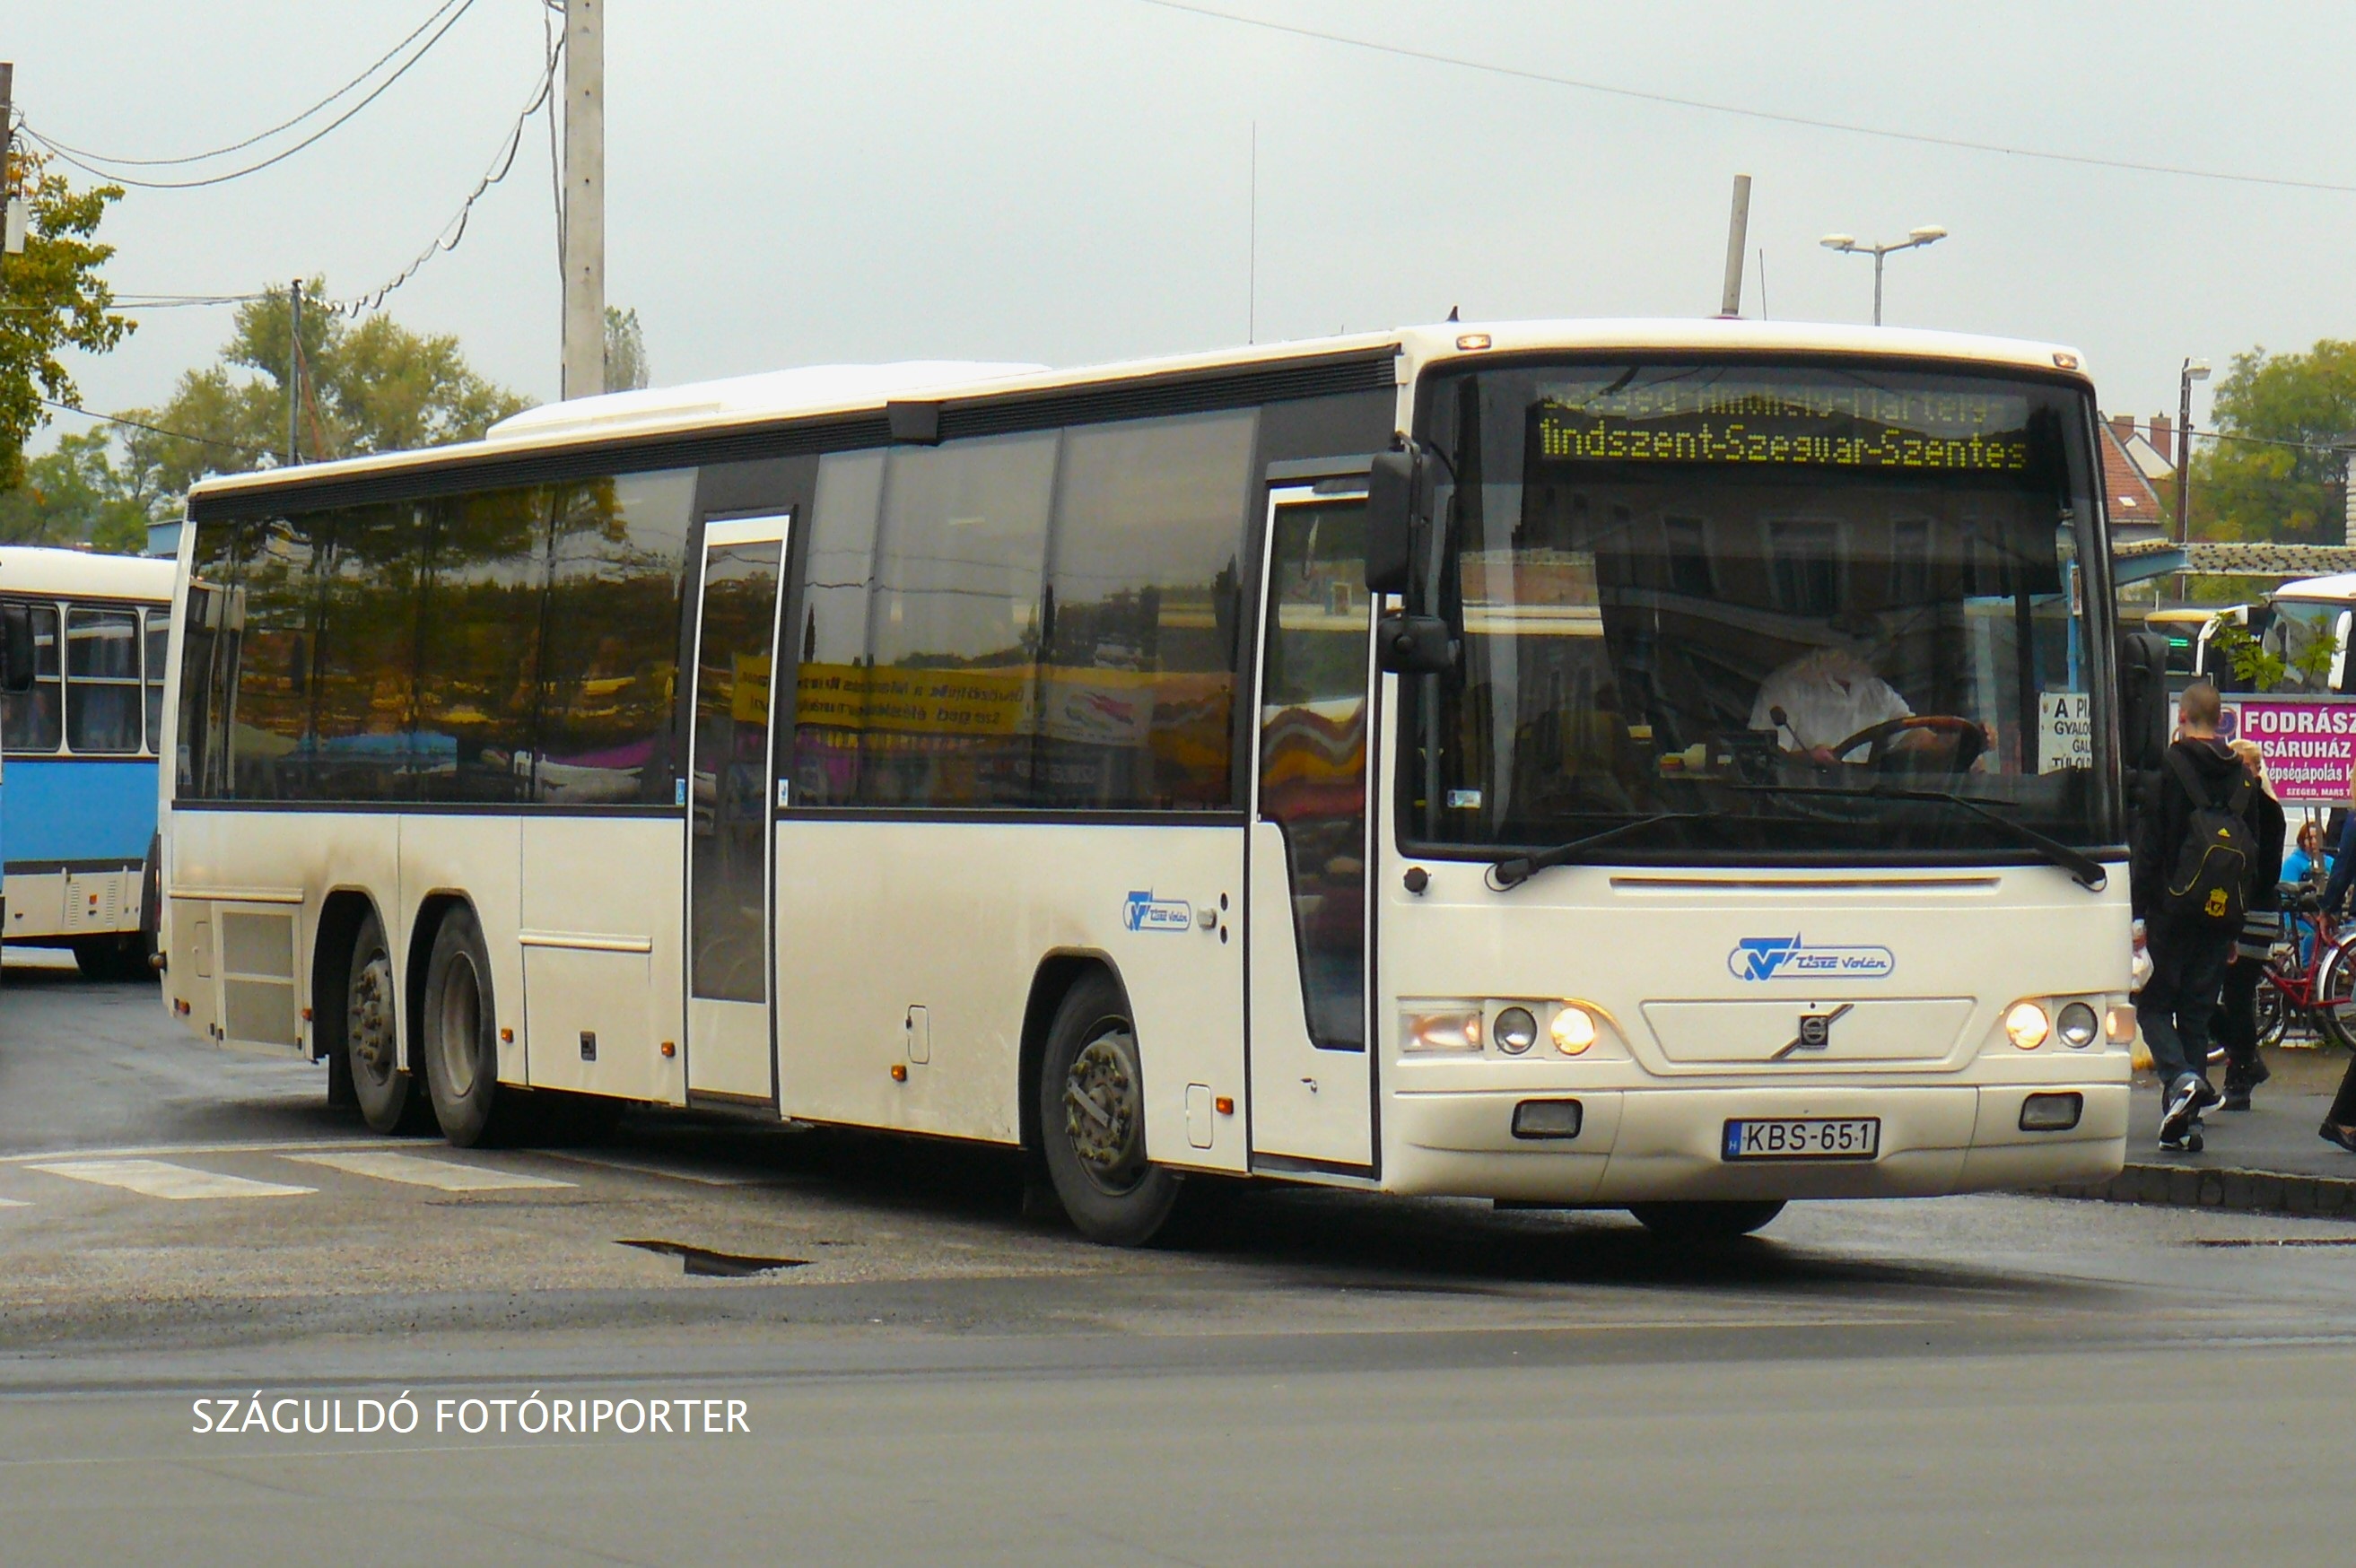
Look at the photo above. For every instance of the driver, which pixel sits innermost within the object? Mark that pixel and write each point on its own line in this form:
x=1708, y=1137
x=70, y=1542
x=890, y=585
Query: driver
x=1828, y=693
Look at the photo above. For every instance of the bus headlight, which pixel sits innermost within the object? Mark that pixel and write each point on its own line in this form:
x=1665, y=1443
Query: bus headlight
x=2027, y=1026
x=1516, y=1030
x=1448, y=1028
x=2078, y=1025
x=1573, y=1028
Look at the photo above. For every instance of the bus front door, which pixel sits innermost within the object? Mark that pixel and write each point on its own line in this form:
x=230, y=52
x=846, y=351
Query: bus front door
x=1312, y=1067
x=731, y=815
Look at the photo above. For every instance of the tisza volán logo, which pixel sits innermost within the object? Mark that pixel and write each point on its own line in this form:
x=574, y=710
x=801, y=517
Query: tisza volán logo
x=1791, y=958
x=1144, y=912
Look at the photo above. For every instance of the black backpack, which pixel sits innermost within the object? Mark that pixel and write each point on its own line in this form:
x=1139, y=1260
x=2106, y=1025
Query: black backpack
x=2211, y=882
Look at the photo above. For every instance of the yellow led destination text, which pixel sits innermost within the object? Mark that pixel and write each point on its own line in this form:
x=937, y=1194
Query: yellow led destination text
x=1564, y=437
x=1826, y=427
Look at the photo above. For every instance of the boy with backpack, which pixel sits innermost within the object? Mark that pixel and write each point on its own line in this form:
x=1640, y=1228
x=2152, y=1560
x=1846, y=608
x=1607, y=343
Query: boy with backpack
x=2190, y=881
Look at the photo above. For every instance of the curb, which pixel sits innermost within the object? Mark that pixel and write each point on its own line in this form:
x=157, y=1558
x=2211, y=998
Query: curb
x=2213, y=1186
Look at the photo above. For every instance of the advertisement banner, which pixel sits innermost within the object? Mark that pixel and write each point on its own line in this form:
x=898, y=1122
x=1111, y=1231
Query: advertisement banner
x=2309, y=745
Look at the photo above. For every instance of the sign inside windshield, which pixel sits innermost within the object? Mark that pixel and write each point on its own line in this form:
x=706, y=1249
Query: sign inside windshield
x=1755, y=420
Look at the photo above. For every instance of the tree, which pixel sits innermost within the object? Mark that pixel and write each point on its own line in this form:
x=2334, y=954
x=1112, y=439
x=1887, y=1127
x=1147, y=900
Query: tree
x=76, y=495
x=376, y=387
x=51, y=298
x=2289, y=483
x=626, y=351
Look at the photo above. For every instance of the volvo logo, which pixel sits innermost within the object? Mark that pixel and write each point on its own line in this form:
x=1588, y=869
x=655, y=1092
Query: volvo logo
x=1815, y=1032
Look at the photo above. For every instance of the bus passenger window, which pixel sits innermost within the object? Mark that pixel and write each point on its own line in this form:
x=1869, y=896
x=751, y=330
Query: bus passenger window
x=30, y=721
x=103, y=701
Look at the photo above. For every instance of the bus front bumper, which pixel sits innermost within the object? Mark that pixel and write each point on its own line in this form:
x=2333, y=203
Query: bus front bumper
x=1637, y=1145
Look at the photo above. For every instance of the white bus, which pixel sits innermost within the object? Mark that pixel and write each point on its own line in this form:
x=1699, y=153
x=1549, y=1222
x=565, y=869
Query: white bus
x=81, y=736
x=1347, y=761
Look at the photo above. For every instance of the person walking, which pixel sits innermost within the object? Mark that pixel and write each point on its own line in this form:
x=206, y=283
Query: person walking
x=2188, y=883
x=2237, y=1012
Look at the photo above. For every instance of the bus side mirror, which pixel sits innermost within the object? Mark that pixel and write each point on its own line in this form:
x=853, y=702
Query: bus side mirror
x=1397, y=496
x=2143, y=708
x=17, y=657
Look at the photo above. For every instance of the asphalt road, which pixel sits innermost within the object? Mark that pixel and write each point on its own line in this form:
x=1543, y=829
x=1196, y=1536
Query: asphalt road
x=925, y=1374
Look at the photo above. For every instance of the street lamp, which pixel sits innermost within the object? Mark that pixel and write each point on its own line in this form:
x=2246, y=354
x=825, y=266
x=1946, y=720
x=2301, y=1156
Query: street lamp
x=2194, y=370
x=1929, y=234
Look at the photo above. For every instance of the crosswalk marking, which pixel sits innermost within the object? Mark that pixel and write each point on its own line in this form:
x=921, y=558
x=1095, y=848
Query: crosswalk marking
x=158, y=1178
x=14, y=1203
x=447, y=1174
x=648, y=1167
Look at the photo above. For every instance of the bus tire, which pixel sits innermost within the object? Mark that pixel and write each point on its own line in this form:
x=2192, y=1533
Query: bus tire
x=391, y=1099
x=1092, y=1119
x=461, y=1036
x=1719, y=1222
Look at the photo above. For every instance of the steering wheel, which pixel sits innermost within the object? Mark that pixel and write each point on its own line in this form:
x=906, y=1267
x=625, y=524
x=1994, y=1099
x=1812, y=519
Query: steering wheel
x=1970, y=741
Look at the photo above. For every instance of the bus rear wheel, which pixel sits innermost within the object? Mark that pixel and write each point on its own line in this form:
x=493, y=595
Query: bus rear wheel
x=1092, y=1119
x=389, y=1097
x=1719, y=1221
x=461, y=1037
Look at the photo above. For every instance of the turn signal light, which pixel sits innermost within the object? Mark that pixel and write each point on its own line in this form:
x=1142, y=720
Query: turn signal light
x=1454, y=1029
x=2027, y=1026
x=1473, y=342
x=2119, y=1026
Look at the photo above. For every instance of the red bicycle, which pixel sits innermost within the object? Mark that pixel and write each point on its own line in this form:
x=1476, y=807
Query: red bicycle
x=2309, y=979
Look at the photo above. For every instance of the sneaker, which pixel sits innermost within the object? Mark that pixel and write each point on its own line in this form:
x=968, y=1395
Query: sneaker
x=2236, y=1096
x=2345, y=1137
x=2185, y=1142
x=2209, y=1097
x=2185, y=1098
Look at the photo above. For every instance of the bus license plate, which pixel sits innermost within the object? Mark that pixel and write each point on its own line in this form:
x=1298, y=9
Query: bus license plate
x=1805, y=1137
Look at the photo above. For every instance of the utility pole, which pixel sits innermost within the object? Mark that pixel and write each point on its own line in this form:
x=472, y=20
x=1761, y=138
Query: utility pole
x=293, y=371
x=11, y=205
x=585, y=199
x=1738, y=225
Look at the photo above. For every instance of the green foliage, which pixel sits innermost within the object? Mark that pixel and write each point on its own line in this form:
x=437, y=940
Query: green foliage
x=374, y=387
x=73, y=496
x=51, y=299
x=2248, y=490
x=2264, y=671
x=626, y=351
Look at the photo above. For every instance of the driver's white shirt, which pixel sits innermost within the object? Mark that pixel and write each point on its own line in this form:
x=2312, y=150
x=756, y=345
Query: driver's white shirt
x=1826, y=697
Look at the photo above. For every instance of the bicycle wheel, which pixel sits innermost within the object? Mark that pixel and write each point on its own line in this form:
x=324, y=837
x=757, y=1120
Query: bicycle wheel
x=2271, y=1016
x=2335, y=993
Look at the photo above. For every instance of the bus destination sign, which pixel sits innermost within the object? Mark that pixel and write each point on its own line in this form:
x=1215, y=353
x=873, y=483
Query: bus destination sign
x=1756, y=422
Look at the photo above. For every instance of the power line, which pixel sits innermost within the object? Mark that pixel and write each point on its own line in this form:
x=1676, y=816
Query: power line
x=1803, y=121
x=375, y=66
x=155, y=429
x=450, y=233
x=33, y=135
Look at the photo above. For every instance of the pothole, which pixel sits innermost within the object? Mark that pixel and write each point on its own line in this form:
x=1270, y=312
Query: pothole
x=704, y=1261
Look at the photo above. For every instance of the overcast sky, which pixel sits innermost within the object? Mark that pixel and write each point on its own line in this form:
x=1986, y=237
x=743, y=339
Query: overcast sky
x=795, y=181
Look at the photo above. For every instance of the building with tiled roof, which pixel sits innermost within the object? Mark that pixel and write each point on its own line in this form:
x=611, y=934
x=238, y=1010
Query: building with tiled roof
x=2134, y=468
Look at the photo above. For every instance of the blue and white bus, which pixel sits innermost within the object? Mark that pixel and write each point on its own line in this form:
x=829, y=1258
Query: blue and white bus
x=78, y=811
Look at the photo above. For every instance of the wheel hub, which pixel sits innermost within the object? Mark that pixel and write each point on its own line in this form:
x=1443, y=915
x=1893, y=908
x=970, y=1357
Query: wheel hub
x=1103, y=1111
x=368, y=1020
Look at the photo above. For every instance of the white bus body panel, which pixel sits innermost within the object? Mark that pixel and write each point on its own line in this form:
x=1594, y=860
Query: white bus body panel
x=875, y=918
x=1923, y=1048
x=601, y=955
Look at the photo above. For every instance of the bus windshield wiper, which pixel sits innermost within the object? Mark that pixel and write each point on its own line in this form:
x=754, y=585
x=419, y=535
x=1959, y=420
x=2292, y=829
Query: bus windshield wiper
x=2084, y=869
x=1513, y=870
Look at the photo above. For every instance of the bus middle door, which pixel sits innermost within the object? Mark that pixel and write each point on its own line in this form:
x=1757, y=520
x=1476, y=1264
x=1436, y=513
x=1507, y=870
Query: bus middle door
x=731, y=815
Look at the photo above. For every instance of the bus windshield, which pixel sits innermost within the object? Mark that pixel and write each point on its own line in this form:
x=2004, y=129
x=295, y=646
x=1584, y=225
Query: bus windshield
x=1751, y=613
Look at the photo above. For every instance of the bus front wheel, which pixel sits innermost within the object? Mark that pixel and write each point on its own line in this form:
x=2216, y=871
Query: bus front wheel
x=1719, y=1221
x=461, y=1037
x=1092, y=1119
